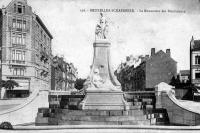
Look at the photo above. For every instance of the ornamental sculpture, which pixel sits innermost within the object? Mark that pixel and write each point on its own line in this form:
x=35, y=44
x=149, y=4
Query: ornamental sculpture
x=101, y=31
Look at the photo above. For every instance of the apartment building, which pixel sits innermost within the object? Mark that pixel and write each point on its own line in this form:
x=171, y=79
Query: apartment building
x=25, y=47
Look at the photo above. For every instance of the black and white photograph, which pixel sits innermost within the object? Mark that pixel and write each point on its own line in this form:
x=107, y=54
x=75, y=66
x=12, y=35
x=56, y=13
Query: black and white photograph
x=95, y=66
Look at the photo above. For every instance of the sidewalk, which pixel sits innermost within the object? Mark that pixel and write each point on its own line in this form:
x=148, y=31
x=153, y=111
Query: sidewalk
x=61, y=127
x=103, y=129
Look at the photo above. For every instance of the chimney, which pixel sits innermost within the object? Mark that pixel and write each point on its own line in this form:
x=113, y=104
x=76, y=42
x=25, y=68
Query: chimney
x=168, y=52
x=142, y=59
x=127, y=58
x=153, y=51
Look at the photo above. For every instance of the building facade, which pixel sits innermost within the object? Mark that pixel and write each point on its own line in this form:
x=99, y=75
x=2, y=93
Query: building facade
x=63, y=75
x=159, y=67
x=25, y=47
x=184, y=76
x=195, y=61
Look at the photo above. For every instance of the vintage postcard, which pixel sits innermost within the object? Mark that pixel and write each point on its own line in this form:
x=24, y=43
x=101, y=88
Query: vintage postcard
x=100, y=65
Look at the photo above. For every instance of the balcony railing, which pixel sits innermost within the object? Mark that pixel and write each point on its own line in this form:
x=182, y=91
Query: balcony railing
x=21, y=46
x=19, y=29
x=17, y=62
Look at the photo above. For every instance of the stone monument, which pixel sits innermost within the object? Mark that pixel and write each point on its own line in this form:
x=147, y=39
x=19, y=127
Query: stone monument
x=103, y=91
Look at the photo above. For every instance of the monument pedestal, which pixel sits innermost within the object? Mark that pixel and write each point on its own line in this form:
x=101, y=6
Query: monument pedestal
x=104, y=100
x=103, y=91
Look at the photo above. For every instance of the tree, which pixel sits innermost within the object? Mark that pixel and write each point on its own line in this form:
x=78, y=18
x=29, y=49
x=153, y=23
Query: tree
x=79, y=83
x=173, y=81
x=2, y=83
x=10, y=84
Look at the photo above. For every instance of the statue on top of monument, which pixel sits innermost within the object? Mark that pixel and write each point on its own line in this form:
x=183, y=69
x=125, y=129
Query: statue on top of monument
x=101, y=31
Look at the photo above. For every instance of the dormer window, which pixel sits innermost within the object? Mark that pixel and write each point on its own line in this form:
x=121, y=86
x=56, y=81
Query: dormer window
x=19, y=8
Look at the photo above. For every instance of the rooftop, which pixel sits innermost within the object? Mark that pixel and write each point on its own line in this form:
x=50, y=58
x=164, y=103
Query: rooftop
x=44, y=27
x=184, y=72
x=195, y=44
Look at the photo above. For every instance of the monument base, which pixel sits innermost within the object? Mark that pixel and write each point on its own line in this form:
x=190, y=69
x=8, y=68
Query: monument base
x=103, y=100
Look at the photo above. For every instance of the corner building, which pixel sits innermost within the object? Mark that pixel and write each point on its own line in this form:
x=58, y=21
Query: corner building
x=195, y=62
x=25, y=47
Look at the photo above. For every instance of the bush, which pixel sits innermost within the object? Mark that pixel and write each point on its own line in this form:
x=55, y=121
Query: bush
x=6, y=125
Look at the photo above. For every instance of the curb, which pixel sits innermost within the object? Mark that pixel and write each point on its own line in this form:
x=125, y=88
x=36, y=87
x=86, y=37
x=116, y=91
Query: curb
x=106, y=127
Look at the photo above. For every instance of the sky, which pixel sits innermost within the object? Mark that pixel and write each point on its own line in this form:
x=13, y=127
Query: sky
x=72, y=25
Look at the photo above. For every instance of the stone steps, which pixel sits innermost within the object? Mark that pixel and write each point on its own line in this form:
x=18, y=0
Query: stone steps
x=54, y=116
x=103, y=123
x=100, y=118
x=86, y=123
x=100, y=112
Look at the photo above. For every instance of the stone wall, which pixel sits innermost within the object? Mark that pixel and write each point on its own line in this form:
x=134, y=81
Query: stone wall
x=179, y=112
x=179, y=115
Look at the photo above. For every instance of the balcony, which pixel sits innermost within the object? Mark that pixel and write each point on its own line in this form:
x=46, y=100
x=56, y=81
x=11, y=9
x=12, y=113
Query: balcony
x=19, y=46
x=196, y=81
x=19, y=29
x=17, y=62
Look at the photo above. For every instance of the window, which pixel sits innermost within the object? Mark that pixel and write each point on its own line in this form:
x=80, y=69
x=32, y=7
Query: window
x=41, y=33
x=197, y=75
x=48, y=42
x=23, y=55
x=15, y=71
x=13, y=54
x=15, y=8
x=18, y=56
x=37, y=27
x=197, y=59
x=18, y=71
x=24, y=24
x=23, y=39
x=23, y=9
x=18, y=38
x=19, y=23
x=19, y=8
x=22, y=72
x=14, y=23
x=13, y=38
x=45, y=41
